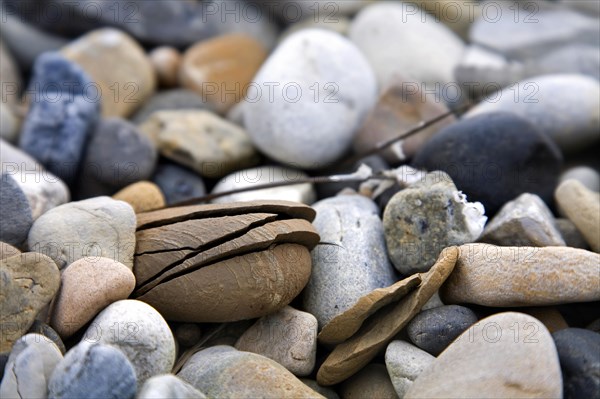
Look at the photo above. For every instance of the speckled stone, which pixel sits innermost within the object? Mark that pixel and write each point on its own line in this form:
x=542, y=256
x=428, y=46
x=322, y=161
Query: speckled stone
x=222, y=371
x=524, y=221
x=487, y=361
x=168, y=386
x=434, y=329
x=143, y=196
x=404, y=363
x=291, y=125
x=95, y=227
x=304, y=193
x=423, y=219
x=89, y=285
x=178, y=183
x=351, y=259
x=582, y=207
x=93, y=370
x=288, y=336
x=31, y=362
x=523, y=276
x=371, y=382
x=140, y=332
x=14, y=212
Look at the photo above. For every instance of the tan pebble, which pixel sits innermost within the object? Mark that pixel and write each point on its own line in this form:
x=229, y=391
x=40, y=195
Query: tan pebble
x=582, y=207
x=7, y=250
x=166, y=62
x=523, y=276
x=221, y=68
x=143, y=196
x=89, y=285
x=551, y=317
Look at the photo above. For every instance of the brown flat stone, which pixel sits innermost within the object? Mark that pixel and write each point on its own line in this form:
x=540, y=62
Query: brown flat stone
x=355, y=353
x=343, y=326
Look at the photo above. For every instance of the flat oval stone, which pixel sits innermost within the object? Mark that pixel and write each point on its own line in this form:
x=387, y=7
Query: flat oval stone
x=371, y=382
x=308, y=119
x=89, y=285
x=578, y=353
x=564, y=107
x=30, y=365
x=221, y=69
x=288, y=336
x=93, y=370
x=505, y=355
x=523, y=276
x=582, y=207
x=143, y=196
x=434, y=329
x=350, y=261
x=178, y=183
x=119, y=67
x=404, y=363
x=493, y=158
x=140, y=332
x=168, y=386
x=28, y=281
x=96, y=227
x=404, y=45
x=222, y=371
x=14, y=211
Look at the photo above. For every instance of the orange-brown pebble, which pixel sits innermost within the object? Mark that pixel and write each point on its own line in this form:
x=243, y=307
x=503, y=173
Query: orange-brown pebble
x=143, y=196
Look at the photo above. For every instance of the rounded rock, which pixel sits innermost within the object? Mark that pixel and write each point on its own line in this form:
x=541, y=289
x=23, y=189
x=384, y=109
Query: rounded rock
x=312, y=117
x=168, y=386
x=178, y=183
x=143, y=196
x=494, y=158
x=434, y=329
x=168, y=100
x=166, y=61
x=582, y=207
x=140, y=332
x=15, y=212
x=89, y=285
x=587, y=176
x=404, y=363
x=371, y=382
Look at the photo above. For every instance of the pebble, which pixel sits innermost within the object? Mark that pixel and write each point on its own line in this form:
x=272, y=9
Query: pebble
x=96, y=227
x=89, y=285
x=505, y=355
x=304, y=193
x=43, y=189
x=587, y=176
x=143, y=196
x=93, y=370
x=291, y=11
x=118, y=66
x=288, y=336
x=371, y=382
x=44, y=329
x=201, y=140
x=61, y=115
x=523, y=222
x=28, y=283
x=166, y=61
x=493, y=158
x=223, y=371
x=565, y=107
x=523, y=276
x=187, y=334
x=351, y=259
x=7, y=250
x=10, y=77
x=404, y=363
x=10, y=123
x=434, y=329
x=573, y=59
x=170, y=100
x=118, y=154
x=399, y=109
x=407, y=46
x=309, y=120
x=428, y=216
x=177, y=183
x=31, y=362
x=221, y=69
x=140, y=332
x=168, y=386
x=578, y=351
x=457, y=16
x=352, y=355
x=326, y=392
x=532, y=32
x=571, y=234
x=14, y=212
x=550, y=316
x=339, y=25
x=582, y=207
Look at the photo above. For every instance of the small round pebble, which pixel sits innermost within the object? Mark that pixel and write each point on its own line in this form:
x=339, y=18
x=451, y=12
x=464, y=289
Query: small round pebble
x=92, y=370
x=178, y=183
x=170, y=100
x=188, y=334
x=15, y=212
x=168, y=386
x=166, y=61
x=140, y=332
x=434, y=329
x=143, y=196
x=404, y=363
x=44, y=329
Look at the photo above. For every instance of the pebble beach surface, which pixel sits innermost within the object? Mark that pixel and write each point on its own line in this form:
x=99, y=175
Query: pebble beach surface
x=212, y=199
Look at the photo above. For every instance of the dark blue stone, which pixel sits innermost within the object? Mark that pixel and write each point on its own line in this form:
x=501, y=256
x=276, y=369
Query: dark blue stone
x=60, y=117
x=15, y=212
x=177, y=183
